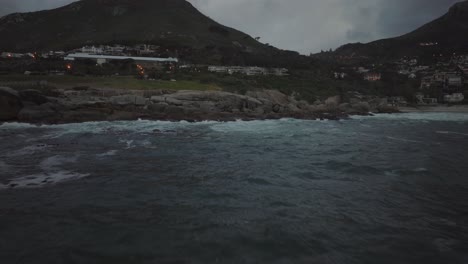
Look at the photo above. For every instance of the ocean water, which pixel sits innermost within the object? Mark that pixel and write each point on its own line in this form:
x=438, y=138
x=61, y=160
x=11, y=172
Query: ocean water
x=384, y=189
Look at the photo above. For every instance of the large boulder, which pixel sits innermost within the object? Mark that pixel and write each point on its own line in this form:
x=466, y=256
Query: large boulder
x=10, y=104
x=209, y=101
x=45, y=113
x=129, y=100
x=270, y=96
x=333, y=101
x=33, y=96
x=362, y=107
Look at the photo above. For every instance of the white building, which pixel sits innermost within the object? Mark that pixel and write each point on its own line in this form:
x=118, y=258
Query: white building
x=454, y=80
x=11, y=55
x=250, y=71
x=101, y=59
x=423, y=100
x=218, y=69
x=362, y=70
x=92, y=50
x=454, y=98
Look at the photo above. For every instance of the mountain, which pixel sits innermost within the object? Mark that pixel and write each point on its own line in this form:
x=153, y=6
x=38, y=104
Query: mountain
x=445, y=35
x=172, y=24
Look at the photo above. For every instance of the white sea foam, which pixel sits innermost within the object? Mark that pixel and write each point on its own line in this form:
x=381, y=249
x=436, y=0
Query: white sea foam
x=14, y=125
x=451, y=133
x=256, y=126
x=29, y=150
x=141, y=126
x=52, y=173
x=108, y=153
x=41, y=180
x=129, y=143
x=422, y=116
x=404, y=140
x=260, y=126
x=55, y=162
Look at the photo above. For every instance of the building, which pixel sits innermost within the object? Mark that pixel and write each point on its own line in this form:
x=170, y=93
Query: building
x=218, y=69
x=397, y=101
x=362, y=70
x=7, y=55
x=285, y=72
x=249, y=71
x=372, y=77
x=454, y=98
x=53, y=54
x=339, y=75
x=92, y=50
x=425, y=100
x=145, y=49
x=426, y=82
x=101, y=59
x=254, y=71
x=453, y=80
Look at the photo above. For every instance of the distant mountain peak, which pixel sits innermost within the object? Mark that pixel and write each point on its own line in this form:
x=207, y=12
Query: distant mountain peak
x=445, y=35
x=459, y=9
x=174, y=25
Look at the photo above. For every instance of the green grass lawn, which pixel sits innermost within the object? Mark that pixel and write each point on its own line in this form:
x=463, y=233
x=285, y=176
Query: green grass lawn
x=117, y=82
x=305, y=86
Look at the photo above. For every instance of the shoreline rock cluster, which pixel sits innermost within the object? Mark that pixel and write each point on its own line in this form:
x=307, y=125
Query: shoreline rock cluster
x=84, y=104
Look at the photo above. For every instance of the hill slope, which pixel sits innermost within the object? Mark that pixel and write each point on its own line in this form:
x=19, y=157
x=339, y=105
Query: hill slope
x=169, y=23
x=450, y=32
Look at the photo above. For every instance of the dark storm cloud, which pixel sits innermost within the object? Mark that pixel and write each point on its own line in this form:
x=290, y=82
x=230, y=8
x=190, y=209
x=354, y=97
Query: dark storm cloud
x=302, y=25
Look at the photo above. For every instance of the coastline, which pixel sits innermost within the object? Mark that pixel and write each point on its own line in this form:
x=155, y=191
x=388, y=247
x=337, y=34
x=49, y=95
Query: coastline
x=435, y=109
x=61, y=106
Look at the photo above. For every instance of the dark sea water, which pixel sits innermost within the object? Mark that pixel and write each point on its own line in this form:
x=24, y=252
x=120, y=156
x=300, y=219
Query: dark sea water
x=386, y=189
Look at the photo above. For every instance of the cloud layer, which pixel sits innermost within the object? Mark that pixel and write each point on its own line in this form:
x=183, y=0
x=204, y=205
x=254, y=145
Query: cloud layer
x=302, y=25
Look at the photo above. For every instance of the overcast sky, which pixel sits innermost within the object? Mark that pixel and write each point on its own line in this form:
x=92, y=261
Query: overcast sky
x=302, y=25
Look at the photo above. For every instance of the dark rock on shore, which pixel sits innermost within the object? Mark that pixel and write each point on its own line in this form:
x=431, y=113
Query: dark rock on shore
x=10, y=104
x=69, y=106
x=33, y=96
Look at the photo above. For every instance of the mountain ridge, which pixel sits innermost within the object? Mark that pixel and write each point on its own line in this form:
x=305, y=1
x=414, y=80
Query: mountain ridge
x=173, y=24
x=446, y=34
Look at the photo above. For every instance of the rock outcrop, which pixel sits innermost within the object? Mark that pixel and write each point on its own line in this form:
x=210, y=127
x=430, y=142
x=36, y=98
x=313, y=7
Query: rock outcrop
x=82, y=105
x=10, y=104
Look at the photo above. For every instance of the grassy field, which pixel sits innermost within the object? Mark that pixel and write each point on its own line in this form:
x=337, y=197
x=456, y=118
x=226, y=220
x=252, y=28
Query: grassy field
x=304, y=85
x=116, y=82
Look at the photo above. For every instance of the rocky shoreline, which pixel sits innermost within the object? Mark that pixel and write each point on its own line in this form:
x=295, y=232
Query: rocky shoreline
x=82, y=104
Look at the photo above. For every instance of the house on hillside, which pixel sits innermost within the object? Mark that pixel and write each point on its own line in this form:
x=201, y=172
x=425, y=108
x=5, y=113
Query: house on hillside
x=145, y=49
x=7, y=55
x=426, y=82
x=362, y=70
x=254, y=71
x=101, y=59
x=425, y=100
x=218, y=69
x=249, y=71
x=339, y=75
x=453, y=80
x=281, y=72
x=397, y=101
x=92, y=50
x=454, y=98
x=372, y=77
